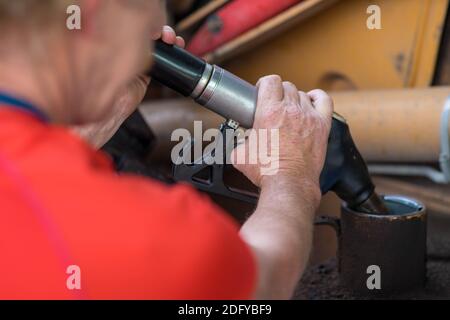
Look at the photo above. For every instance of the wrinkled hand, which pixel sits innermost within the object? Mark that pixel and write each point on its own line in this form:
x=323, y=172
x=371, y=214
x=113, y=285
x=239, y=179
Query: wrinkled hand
x=304, y=122
x=97, y=134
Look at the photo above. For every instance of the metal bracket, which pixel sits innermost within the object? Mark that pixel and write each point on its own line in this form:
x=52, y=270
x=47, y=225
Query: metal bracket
x=214, y=181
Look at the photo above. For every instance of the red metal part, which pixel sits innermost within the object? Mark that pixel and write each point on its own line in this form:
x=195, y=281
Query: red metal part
x=234, y=19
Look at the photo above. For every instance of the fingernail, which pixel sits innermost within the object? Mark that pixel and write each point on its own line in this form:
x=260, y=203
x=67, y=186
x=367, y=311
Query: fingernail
x=168, y=29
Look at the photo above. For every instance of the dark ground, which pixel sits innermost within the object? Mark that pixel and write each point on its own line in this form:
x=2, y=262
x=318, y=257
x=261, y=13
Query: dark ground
x=322, y=281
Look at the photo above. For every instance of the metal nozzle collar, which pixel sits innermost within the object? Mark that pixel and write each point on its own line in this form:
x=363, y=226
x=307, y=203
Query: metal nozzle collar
x=204, y=80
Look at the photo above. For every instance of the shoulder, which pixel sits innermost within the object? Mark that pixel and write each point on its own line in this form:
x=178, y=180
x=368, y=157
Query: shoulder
x=134, y=237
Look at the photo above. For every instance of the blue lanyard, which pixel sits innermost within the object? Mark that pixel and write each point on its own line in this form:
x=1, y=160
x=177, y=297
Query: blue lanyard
x=6, y=99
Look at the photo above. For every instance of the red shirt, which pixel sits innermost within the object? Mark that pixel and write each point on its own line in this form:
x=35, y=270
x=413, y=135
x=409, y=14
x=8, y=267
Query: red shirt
x=61, y=205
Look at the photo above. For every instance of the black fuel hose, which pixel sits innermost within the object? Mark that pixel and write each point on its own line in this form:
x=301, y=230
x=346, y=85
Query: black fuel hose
x=176, y=70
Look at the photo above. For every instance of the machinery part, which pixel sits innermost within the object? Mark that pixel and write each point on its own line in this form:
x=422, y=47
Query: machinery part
x=442, y=176
x=229, y=96
x=198, y=16
x=269, y=29
x=345, y=171
x=391, y=242
x=213, y=182
x=235, y=18
x=396, y=56
x=434, y=195
x=362, y=242
x=400, y=125
x=210, y=86
x=442, y=70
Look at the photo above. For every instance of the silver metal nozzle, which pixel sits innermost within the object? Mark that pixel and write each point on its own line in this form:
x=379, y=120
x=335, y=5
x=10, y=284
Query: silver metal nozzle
x=227, y=95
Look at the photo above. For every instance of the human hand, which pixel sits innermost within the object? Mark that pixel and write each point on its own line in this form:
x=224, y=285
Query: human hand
x=303, y=121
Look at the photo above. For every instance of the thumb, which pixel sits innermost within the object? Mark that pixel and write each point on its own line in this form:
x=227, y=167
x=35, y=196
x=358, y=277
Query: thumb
x=322, y=102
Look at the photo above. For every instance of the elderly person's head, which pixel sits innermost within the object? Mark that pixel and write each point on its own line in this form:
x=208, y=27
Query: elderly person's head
x=75, y=74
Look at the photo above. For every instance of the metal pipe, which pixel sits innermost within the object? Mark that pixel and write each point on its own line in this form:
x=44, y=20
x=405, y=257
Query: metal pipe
x=442, y=176
x=164, y=116
x=401, y=125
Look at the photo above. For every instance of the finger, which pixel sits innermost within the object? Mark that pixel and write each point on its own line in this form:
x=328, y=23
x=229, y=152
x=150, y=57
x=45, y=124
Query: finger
x=305, y=100
x=322, y=102
x=156, y=35
x=179, y=41
x=270, y=88
x=291, y=94
x=168, y=35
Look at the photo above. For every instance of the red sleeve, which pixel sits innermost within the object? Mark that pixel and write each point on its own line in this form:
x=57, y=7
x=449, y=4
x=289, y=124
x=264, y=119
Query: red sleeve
x=132, y=238
x=158, y=242
x=205, y=257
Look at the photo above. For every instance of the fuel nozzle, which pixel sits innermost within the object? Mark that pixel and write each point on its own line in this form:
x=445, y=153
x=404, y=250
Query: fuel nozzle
x=345, y=171
x=209, y=85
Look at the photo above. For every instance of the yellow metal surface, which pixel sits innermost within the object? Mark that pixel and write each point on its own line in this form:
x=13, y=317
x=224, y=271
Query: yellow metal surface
x=335, y=49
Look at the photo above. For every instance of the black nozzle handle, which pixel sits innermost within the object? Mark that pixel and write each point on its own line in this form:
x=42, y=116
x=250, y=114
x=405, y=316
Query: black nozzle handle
x=345, y=171
x=175, y=68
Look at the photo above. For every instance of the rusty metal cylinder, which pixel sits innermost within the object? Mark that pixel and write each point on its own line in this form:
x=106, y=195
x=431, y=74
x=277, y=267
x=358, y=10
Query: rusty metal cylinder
x=394, y=125
x=381, y=255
